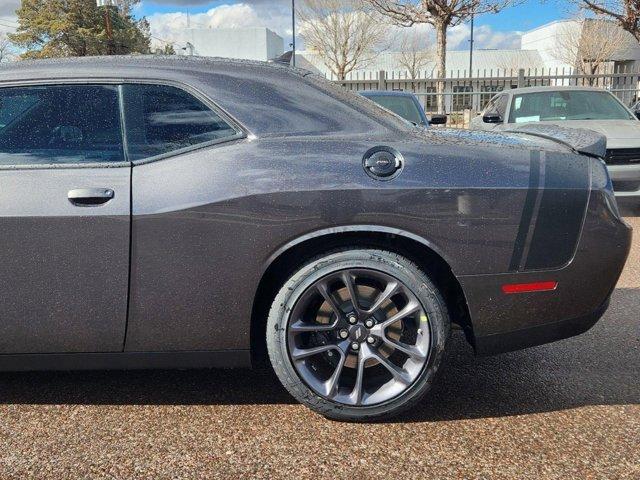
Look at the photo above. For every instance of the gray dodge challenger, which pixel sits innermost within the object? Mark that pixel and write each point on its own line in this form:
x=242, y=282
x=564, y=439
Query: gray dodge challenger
x=185, y=213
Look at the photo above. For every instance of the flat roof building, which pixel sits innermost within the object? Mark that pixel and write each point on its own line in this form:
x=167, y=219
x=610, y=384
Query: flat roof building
x=257, y=43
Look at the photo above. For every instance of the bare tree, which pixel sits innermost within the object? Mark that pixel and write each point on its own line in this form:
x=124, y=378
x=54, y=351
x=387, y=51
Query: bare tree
x=588, y=44
x=441, y=14
x=625, y=13
x=414, y=55
x=345, y=36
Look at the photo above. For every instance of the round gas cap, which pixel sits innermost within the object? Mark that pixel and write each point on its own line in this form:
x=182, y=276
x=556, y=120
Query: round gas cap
x=382, y=163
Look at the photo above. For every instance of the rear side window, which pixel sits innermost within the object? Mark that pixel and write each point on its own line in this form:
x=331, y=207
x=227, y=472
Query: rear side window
x=162, y=119
x=60, y=124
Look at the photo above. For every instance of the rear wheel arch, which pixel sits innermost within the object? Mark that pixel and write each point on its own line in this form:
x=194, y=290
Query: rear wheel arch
x=294, y=255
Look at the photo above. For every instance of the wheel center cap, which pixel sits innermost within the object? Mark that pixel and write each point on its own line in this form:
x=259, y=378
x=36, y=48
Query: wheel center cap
x=358, y=333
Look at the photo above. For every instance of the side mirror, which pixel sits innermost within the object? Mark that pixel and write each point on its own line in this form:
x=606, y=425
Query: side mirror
x=636, y=111
x=438, y=119
x=492, y=117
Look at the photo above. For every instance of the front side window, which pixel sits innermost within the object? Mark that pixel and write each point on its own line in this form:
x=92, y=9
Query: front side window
x=501, y=105
x=161, y=119
x=566, y=105
x=490, y=107
x=60, y=124
x=489, y=92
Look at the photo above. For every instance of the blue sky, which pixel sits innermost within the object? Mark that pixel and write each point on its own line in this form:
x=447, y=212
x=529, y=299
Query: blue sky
x=528, y=15
x=168, y=19
x=502, y=30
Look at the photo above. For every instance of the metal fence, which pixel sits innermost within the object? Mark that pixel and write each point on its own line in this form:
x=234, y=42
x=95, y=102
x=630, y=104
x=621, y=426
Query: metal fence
x=464, y=94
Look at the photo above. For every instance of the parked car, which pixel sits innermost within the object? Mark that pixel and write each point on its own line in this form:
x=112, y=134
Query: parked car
x=575, y=107
x=404, y=104
x=184, y=212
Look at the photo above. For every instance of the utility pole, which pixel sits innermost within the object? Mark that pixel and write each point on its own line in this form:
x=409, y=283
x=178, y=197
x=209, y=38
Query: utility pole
x=106, y=7
x=293, y=32
x=107, y=20
x=471, y=49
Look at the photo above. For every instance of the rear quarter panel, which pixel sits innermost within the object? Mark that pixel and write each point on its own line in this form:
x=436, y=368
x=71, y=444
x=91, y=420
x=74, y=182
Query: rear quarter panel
x=207, y=223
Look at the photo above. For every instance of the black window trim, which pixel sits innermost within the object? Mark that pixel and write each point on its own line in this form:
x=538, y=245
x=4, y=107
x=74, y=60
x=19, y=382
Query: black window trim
x=241, y=132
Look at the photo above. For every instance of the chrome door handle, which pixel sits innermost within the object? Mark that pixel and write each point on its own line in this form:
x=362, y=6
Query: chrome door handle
x=87, y=197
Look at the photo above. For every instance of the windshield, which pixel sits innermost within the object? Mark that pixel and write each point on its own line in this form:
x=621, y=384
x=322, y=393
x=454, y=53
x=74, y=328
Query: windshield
x=400, y=105
x=566, y=105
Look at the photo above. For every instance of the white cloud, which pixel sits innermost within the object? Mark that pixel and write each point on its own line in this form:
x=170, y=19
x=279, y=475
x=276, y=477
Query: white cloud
x=172, y=26
x=484, y=37
x=276, y=15
x=8, y=8
x=8, y=24
x=458, y=37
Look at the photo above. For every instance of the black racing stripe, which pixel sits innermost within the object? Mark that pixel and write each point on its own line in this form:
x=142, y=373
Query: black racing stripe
x=560, y=214
x=527, y=212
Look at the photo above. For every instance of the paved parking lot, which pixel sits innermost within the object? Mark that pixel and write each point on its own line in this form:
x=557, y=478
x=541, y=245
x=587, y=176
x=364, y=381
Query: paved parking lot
x=565, y=410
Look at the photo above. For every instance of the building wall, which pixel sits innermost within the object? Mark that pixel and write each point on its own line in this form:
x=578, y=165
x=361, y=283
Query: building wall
x=545, y=41
x=244, y=43
x=274, y=44
x=547, y=38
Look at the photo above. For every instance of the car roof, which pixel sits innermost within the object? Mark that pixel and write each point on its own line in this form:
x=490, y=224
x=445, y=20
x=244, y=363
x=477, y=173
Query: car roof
x=269, y=99
x=170, y=67
x=549, y=88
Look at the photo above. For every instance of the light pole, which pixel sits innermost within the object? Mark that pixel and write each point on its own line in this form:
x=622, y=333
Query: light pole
x=471, y=49
x=293, y=32
x=471, y=62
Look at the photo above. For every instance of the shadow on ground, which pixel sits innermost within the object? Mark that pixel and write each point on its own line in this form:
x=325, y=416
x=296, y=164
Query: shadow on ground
x=600, y=367
x=629, y=207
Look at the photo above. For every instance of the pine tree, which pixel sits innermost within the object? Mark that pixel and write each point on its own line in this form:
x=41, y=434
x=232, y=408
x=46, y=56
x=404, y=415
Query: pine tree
x=64, y=28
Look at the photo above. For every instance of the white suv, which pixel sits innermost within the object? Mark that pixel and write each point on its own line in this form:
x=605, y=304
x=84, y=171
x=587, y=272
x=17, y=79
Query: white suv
x=577, y=107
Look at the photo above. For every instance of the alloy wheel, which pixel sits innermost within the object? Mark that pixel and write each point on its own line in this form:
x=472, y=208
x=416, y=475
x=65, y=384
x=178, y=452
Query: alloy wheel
x=358, y=337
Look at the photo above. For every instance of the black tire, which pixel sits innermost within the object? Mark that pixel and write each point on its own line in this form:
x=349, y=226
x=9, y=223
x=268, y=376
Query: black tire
x=391, y=264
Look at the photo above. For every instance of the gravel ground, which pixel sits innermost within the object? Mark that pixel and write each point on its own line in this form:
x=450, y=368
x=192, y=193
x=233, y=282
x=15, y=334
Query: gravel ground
x=565, y=410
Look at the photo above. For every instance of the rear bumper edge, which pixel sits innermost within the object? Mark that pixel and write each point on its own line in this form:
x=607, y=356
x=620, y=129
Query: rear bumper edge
x=538, y=335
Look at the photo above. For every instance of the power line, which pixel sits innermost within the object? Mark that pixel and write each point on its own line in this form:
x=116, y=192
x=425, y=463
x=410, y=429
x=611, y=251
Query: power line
x=8, y=26
x=164, y=41
x=9, y=21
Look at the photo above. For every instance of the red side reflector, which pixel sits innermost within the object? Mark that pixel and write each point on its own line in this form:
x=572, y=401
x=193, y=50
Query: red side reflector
x=529, y=287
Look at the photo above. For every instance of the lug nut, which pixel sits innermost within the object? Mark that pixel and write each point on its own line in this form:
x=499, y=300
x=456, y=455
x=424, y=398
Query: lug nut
x=352, y=319
x=343, y=334
x=369, y=323
x=371, y=340
x=355, y=346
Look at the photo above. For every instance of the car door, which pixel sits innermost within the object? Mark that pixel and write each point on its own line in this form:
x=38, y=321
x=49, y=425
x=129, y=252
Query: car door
x=182, y=148
x=64, y=219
